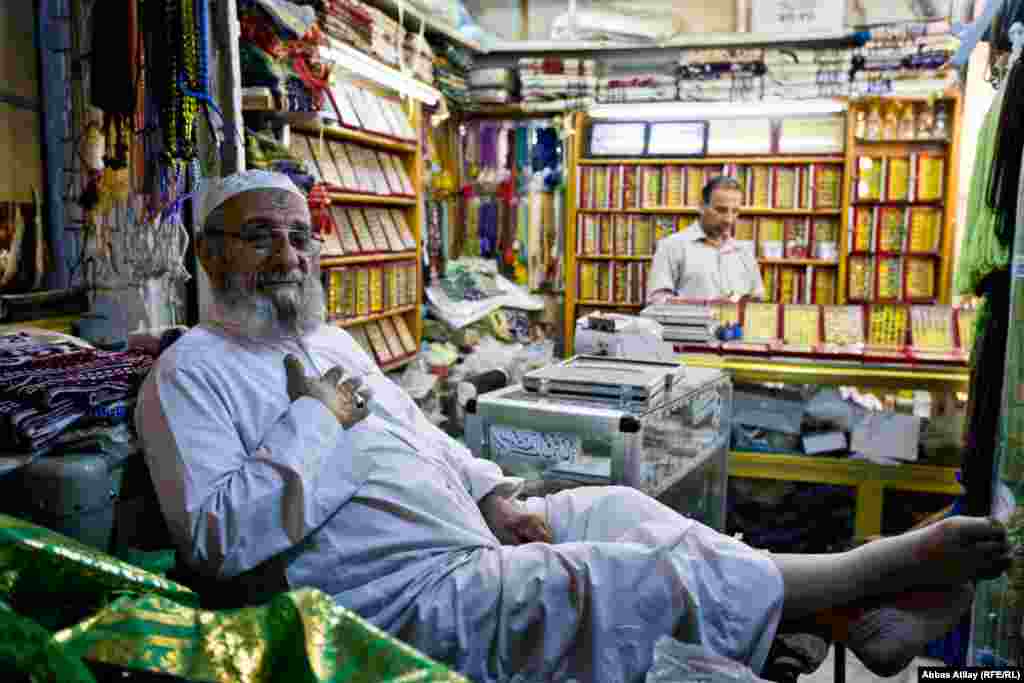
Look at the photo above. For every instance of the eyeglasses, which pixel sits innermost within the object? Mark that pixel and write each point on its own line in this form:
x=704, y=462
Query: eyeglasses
x=262, y=238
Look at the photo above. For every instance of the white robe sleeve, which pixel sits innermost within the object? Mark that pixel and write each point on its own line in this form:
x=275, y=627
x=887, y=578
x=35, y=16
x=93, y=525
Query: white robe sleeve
x=229, y=509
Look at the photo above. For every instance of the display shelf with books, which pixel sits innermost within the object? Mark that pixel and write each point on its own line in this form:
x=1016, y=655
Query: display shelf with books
x=370, y=262
x=902, y=156
x=855, y=220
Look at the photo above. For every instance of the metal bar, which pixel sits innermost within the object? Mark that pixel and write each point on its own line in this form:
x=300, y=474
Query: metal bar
x=53, y=124
x=18, y=101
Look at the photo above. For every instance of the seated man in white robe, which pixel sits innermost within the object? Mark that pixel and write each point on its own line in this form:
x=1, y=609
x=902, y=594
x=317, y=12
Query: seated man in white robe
x=270, y=434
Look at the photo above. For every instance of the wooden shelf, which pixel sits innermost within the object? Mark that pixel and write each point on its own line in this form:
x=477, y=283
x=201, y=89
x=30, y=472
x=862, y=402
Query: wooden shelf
x=705, y=39
x=932, y=141
x=375, y=199
x=869, y=479
x=797, y=262
x=350, y=135
x=334, y=261
x=710, y=161
x=395, y=364
x=897, y=202
x=512, y=111
x=353, y=322
x=608, y=304
x=743, y=210
x=598, y=257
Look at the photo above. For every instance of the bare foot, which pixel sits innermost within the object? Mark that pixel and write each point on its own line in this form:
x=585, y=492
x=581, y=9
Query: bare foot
x=888, y=636
x=960, y=549
x=947, y=553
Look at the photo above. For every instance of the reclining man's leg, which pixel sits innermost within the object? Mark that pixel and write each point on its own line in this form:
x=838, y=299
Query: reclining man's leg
x=874, y=597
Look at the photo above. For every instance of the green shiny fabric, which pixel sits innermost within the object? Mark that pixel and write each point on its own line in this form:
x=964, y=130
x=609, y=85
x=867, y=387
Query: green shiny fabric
x=101, y=609
x=300, y=636
x=980, y=251
x=58, y=581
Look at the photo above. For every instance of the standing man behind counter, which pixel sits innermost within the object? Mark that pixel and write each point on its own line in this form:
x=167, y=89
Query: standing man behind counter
x=703, y=262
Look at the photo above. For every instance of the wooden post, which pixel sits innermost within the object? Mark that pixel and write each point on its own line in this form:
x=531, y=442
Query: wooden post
x=573, y=155
x=232, y=152
x=950, y=192
x=846, y=218
x=418, y=213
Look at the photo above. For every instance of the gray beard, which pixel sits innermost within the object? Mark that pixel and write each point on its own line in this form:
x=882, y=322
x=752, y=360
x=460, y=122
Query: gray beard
x=289, y=311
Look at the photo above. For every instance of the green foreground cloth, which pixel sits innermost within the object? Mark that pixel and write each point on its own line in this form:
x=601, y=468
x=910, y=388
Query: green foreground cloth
x=141, y=621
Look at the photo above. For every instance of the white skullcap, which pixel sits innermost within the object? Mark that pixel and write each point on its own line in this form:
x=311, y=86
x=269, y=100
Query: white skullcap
x=216, y=191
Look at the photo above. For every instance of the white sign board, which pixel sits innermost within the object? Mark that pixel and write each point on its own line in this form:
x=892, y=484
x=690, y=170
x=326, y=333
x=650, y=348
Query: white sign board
x=797, y=16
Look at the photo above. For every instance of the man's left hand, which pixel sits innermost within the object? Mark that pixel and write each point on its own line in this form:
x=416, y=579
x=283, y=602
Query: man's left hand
x=510, y=524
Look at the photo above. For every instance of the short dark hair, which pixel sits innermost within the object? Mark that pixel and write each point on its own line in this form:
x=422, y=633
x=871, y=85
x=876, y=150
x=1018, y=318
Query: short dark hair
x=720, y=182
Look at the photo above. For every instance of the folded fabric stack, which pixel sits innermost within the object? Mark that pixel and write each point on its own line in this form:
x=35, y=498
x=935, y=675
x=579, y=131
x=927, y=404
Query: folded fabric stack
x=418, y=57
x=721, y=75
x=452, y=80
x=47, y=387
x=903, y=65
x=806, y=74
x=387, y=38
x=553, y=79
x=642, y=87
x=346, y=22
x=491, y=86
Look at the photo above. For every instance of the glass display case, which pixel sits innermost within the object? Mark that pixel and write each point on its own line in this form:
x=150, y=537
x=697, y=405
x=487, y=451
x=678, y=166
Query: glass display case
x=659, y=427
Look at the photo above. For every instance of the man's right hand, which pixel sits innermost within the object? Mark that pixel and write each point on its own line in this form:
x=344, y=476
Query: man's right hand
x=347, y=400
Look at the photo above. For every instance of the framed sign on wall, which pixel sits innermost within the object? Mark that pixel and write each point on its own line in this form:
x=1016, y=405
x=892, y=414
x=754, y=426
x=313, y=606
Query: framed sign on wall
x=628, y=139
x=797, y=16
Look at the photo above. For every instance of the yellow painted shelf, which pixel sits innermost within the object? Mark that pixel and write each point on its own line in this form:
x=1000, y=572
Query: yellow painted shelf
x=694, y=210
x=797, y=262
x=353, y=322
x=711, y=161
x=598, y=257
x=608, y=304
x=375, y=199
x=870, y=480
x=334, y=261
x=358, y=136
x=934, y=141
x=860, y=373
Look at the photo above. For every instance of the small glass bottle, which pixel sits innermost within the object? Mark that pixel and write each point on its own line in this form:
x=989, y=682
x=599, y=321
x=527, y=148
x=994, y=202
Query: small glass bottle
x=860, y=129
x=874, y=129
x=941, y=130
x=906, y=126
x=891, y=123
x=925, y=123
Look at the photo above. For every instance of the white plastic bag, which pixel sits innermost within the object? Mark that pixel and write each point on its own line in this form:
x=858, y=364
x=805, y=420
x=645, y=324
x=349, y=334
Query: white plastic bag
x=678, y=662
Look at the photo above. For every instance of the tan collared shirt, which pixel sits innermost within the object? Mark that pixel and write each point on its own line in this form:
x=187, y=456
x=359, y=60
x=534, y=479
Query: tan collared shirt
x=686, y=266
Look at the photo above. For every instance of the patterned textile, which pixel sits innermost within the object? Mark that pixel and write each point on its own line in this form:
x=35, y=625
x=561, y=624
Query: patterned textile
x=300, y=636
x=47, y=387
x=109, y=612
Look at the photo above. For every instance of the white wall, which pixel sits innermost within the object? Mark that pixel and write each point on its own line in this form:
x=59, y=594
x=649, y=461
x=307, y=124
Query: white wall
x=977, y=99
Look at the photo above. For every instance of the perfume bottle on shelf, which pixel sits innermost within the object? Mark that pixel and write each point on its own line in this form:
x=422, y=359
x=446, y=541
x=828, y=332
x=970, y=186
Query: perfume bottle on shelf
x=906, y=125
x=874, y=128
x=925, y=123
x=941, y=128
x=890, y=124
x=860, y=129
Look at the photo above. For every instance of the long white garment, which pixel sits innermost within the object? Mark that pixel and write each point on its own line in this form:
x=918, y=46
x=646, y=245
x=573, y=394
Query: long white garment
x=386, y=520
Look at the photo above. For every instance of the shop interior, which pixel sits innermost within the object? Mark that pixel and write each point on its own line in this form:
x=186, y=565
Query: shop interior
x=488, y=186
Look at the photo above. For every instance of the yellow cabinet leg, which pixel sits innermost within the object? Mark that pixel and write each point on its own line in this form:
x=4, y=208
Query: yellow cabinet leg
x=868, y=520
